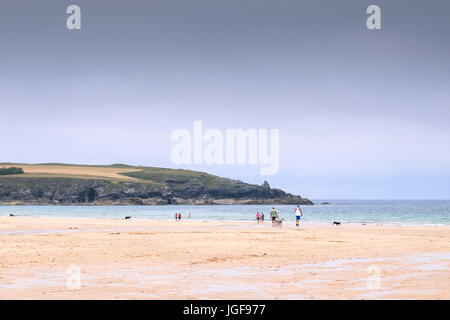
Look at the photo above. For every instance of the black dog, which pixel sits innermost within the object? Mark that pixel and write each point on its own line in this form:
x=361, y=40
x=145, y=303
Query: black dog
x=127, y=217
x=337, y=223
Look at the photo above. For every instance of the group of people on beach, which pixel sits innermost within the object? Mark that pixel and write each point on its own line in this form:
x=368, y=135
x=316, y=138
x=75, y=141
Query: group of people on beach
x=260, y=217
x=178, y=216
x=275, y=216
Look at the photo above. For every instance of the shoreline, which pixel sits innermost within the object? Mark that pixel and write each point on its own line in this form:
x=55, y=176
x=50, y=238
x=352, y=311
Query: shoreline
x=267, y=221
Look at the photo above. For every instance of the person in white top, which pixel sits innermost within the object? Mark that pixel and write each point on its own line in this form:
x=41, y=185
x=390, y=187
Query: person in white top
x=298, y=214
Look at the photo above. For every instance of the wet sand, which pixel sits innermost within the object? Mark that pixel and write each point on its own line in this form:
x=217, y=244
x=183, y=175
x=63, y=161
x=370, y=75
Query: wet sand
x=148, y=259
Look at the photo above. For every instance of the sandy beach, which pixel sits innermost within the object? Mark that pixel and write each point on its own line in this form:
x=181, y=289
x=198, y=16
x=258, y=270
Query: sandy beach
x=148, y=259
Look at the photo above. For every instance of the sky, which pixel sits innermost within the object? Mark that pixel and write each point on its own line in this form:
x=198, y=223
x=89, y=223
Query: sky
x=362, y=114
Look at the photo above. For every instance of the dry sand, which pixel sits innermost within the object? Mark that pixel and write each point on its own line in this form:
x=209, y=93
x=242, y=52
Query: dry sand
x=148, y=259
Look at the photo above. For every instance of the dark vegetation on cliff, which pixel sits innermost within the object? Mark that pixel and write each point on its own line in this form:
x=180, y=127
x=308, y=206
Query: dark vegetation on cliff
x=122, y=184
x=10, y=170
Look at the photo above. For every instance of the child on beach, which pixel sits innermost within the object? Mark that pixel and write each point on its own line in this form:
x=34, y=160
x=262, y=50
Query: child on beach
x=179, y=216
x=262, y=217
x=176, y=216
x=258, y=217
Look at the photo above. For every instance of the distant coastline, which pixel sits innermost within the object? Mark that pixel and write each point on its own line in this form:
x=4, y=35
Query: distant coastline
x=65, y=184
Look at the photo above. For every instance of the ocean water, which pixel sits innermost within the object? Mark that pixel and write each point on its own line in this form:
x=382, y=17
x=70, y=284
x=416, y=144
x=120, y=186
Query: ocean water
x=355, y=211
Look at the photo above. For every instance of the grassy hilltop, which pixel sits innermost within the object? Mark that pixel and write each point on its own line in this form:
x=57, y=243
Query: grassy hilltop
x=55, y=183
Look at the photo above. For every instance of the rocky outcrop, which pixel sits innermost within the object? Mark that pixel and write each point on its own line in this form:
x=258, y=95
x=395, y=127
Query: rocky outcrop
x=76, y=191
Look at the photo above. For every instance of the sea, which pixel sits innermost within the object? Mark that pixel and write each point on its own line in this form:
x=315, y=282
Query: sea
x=407, y=212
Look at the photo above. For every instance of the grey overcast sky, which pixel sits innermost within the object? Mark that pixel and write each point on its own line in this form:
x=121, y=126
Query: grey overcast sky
x=362, y=113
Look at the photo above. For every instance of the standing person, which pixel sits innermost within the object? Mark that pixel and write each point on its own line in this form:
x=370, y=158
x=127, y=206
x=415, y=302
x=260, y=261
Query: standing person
x=176, y=216
x=262, y=217
x=179, y=216
x=273, y=214
x=258, y=217
x=298, y=215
